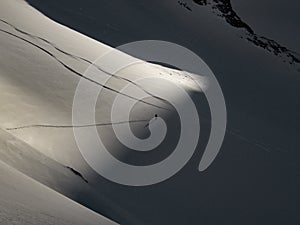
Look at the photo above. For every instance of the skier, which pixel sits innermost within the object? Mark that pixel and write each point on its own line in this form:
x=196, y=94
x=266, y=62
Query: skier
x=155, y=116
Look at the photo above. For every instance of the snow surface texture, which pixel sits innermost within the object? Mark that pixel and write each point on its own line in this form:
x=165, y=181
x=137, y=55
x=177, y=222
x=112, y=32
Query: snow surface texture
x=253, y=181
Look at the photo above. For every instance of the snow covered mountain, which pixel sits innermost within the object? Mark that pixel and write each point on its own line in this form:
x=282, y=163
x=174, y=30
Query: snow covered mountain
x=255, y=178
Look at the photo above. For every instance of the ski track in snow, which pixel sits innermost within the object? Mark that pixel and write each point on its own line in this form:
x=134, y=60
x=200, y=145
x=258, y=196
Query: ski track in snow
x=73, y=126
x=85, y=60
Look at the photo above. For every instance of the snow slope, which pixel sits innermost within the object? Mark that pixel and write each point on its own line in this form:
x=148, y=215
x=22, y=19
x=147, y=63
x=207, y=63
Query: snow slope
x=36, y=104
x=25, y=201
x=254, y=179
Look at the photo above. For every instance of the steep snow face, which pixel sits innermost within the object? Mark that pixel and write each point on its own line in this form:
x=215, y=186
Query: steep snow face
x=249, y=72
x=51, y=60
x=42, y=63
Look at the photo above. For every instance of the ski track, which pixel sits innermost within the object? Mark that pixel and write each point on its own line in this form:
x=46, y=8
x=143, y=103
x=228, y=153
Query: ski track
x=85, y=60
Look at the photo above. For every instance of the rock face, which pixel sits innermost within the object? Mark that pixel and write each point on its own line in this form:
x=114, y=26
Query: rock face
x=224, y=9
